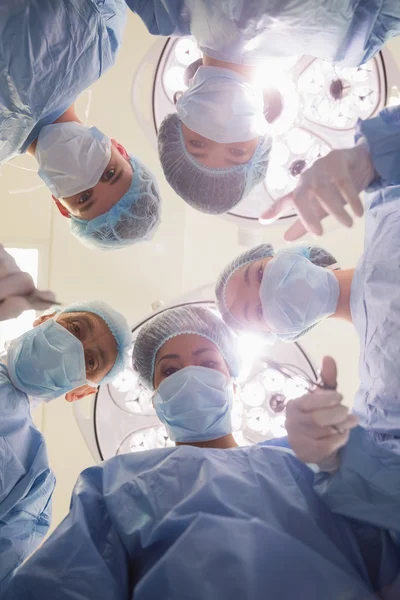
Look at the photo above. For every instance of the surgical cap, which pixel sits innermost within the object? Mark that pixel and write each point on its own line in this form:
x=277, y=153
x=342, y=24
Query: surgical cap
x=318, y=256
x=135, y=217
x=192, y=319
x=116, y=323
x=209, y=190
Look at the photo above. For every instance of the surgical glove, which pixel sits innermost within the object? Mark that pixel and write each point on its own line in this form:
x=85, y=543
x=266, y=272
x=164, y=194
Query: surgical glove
x=318, y=424
x=324, y=189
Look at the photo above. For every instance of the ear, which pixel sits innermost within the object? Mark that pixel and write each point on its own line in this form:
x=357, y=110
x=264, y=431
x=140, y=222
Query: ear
x=42, y=319
x=80, y=392
x=64, y=211
x=120, y=149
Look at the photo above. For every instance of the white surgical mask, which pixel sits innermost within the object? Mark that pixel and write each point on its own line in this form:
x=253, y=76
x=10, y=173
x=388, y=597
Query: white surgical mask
x=71, y=157
x=222, y=106
x=296, y=294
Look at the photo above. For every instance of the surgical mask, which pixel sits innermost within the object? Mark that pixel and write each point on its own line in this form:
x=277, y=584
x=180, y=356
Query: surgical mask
x=295, y=294
x=71, y=157
x=195, y=404
x=222, y=106
x=46, y=362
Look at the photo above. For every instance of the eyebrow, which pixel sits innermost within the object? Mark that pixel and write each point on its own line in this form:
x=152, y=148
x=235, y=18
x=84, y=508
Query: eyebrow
x=168, y=356
x=202, y=350
x=247, y=275
x=246, y=311
x=87, y=206
x=117, y=177
x=198, y=155
x=103, y=358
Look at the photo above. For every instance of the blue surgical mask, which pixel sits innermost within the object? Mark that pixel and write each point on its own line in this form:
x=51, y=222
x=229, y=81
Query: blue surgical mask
x=71, y=157
x=47, y=361
x=222, y=106
x=295, y=294
x=195, y=404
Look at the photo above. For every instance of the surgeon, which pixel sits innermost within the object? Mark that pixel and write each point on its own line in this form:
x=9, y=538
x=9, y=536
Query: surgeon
x=286, y=294
x=203, y=521
x=188, y=357
x=50, y=51
x=216, y=148
x=67, y=353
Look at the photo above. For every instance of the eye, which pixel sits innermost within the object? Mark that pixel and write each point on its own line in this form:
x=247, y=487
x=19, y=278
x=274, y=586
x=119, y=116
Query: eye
x=108, y=174
x=84, y=197
x=169, y=371
x=75, y=328
x=238, y=152
x=210, y=364
x=197, y=143
x=260, y=273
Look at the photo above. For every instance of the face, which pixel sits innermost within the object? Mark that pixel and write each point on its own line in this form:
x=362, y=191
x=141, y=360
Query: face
x=186, y=350
x=215, y=155
x=242, y=294
x=113, y=184
x=99, y=346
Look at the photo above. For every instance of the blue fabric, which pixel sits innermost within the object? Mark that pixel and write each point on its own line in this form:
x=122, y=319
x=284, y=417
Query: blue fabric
x=245, y=31
x=26, y=481
x=375, y=310
x=382, y=134
x=49, y=53
x=192, y=523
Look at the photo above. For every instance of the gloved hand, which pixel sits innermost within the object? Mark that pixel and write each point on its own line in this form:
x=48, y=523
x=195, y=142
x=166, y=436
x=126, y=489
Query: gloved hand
x=324, y=189
x=318, y=424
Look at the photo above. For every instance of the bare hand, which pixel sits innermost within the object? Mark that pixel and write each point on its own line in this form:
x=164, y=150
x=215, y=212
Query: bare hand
x=324, y=189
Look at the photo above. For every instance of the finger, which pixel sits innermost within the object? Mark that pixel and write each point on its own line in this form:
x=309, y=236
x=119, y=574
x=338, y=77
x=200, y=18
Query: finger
x=308, y=209
x=329, y=373
x=296, y=231
x=333, y=202
x=280, y=207
x=321, y=417
x=328, y=417
x=320, y=433
x=316, y=400
x=350, y=194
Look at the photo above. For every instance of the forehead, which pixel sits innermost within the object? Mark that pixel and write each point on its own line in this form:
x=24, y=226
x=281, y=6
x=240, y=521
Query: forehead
x=184, y=345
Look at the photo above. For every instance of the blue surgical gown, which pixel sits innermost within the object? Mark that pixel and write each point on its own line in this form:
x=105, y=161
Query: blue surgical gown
x=193, y=523
x=375, y=290
x=50, y=51
x=26, y=481
x=245, y=31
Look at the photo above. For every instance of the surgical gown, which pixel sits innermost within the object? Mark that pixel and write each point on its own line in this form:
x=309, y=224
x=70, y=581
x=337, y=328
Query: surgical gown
x=193, y=523
x=375, y=290
x=50, y=51
x=26, y=481
x=246, y=31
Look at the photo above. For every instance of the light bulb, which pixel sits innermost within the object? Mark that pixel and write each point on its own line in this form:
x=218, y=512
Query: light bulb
x=174, y=79
x=186, y=51
x=299, y=140
x=273, y=380
x=277, y=426
x=294, y=388
x=279, y=154
x=258, y=420
x=253, y=393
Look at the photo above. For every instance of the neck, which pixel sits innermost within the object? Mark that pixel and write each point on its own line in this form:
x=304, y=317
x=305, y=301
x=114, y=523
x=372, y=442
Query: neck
x=244, y=70
x=68, y=115
x=224, y=442
x=345, y=279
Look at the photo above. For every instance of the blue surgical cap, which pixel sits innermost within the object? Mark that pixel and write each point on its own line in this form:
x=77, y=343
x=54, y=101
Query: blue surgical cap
x=135, y=217
x=116, y=323
x=213, y=191
x=318, y=256
x=193, y=319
